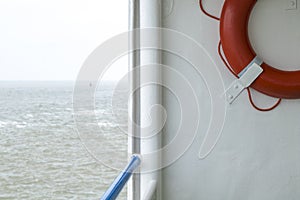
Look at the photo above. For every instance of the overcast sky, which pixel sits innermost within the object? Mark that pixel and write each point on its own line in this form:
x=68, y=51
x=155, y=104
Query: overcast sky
x=50, y=39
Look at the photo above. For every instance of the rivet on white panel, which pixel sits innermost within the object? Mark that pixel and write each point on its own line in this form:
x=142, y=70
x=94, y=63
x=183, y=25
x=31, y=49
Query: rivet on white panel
x=291, y=5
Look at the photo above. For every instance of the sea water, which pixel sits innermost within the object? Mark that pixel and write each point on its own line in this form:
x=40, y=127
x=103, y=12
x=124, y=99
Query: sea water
x=42, y=155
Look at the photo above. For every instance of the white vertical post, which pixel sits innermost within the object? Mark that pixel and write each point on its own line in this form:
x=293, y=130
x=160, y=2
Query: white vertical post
x=150, y=16
x=134, y=106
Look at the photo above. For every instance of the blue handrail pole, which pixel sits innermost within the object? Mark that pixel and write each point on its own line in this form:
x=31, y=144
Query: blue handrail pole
x=119, y=183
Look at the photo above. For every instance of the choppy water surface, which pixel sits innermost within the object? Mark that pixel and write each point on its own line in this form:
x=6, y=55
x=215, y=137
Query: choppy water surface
x=41, y=154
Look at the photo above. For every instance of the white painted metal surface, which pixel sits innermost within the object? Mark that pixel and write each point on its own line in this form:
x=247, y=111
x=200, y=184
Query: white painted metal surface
x=150, y=16
x=257, y=155
x=134, y=105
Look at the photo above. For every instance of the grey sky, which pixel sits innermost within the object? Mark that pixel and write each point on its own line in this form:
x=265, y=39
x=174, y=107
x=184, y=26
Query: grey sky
x=50, y=39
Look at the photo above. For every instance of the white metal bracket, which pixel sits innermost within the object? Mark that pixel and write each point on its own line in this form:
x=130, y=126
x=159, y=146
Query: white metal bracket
x=246, y=78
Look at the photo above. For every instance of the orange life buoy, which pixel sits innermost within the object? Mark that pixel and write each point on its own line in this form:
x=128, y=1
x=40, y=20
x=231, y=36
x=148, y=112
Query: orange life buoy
x=239, y=52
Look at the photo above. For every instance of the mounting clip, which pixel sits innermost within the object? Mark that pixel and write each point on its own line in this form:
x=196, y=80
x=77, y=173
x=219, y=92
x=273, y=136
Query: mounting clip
x=246, y=78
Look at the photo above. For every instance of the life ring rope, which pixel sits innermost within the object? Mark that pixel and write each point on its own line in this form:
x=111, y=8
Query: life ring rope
x=262, y=109
x=206, y=13
x=232, y=71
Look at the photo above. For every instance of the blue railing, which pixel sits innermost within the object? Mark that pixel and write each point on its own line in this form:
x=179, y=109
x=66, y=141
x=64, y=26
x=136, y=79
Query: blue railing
x=119, y=183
